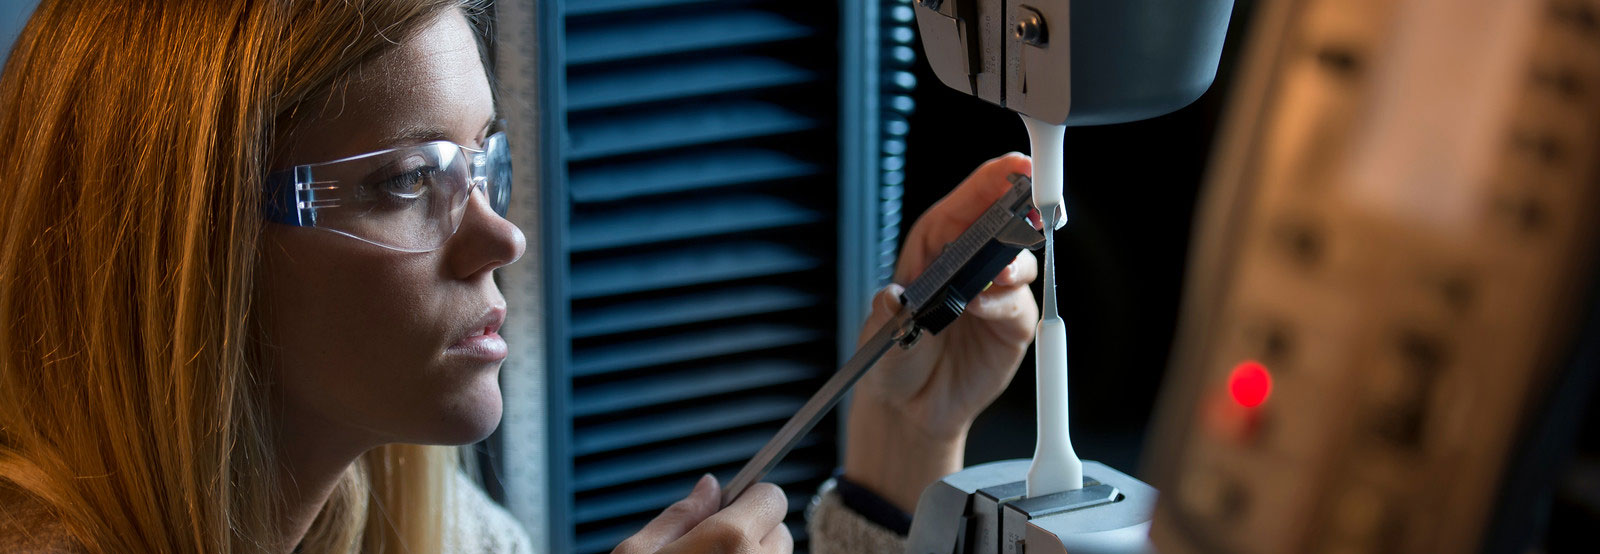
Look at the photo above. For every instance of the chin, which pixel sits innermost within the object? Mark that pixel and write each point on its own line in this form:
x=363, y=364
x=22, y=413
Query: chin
x=471, y=415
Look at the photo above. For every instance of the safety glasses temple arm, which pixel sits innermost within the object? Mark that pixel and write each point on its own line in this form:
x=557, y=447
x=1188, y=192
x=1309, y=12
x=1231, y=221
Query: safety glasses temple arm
x=280, y=201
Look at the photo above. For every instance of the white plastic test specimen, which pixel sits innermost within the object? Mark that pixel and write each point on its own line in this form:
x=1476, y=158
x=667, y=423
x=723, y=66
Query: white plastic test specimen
x=1056, y=467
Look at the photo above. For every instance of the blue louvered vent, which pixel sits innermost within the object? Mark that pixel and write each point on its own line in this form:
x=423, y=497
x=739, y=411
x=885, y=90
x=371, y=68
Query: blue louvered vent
x=700, y=256
x=897, y=83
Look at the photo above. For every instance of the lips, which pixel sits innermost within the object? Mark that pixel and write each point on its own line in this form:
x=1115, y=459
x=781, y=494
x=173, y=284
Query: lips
x=481, y=341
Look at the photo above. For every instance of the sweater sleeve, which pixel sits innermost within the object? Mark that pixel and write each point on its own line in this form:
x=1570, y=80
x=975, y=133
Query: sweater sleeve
x=480, y=526
x=27, y=527
x=836, y=529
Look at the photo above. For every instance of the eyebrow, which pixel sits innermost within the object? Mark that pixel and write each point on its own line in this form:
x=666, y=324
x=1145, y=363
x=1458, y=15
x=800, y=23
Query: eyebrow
x=424, y=134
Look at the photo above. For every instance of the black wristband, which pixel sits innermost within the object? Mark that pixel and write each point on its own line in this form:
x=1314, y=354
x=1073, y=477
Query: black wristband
x=869, y=505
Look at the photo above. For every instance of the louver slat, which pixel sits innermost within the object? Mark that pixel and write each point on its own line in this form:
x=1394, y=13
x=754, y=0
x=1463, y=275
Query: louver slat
x=592, y=7
x=603, y=540
x=683, y=172
x=676, y=457
x=667, y=81
x=678, y=386
x=662, y=128
x=683, y=266
x=655, y=497
x=683, y=347
x=680, y=309
x=684, y=422
x=646, y=223
x=655, y=36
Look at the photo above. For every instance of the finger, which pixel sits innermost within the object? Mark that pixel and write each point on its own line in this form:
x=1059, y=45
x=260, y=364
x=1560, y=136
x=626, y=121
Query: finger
x=885, y=305
x=754, y=513
x=779, y=541
x=676, y=520
x=905, y=378
x=999, y=304
x=947, y=218
x=1021, y=271
x=980, y=189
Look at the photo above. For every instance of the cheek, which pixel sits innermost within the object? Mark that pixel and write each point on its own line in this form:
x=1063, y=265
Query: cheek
x=357, y=336
x=345, y=311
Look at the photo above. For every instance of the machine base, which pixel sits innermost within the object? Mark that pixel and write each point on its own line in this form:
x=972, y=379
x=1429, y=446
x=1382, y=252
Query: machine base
x=983, y=510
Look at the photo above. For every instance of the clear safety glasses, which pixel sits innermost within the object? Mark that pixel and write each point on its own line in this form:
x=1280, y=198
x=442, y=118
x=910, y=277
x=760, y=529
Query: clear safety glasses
x=409, y=199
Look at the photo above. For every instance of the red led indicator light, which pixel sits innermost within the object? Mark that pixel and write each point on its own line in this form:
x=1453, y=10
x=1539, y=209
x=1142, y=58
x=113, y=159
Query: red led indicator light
x=1249, y=384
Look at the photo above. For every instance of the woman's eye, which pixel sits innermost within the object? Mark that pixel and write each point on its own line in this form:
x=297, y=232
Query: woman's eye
x=405, y=186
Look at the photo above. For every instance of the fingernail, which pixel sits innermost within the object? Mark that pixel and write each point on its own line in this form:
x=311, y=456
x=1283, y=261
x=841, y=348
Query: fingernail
x=704, y=485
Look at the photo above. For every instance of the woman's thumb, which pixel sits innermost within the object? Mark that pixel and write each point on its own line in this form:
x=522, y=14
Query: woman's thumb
x=677, y=519
x=885, y=305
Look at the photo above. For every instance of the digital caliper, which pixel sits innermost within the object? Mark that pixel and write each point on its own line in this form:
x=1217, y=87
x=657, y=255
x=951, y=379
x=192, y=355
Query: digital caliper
x=963, y=270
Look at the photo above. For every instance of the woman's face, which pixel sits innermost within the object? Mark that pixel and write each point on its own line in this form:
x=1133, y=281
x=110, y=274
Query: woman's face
x=374, y=345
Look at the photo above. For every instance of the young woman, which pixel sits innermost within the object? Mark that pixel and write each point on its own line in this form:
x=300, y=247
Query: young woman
x=194, y=357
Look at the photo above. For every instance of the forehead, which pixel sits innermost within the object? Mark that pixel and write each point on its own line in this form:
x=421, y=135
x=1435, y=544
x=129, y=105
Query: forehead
x=430, y=86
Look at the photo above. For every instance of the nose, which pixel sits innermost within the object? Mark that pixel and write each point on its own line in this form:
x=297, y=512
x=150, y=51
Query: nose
x=484, y=241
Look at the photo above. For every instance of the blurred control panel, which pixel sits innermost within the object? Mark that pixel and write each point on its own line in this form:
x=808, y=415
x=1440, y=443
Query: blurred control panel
x=1393, y=252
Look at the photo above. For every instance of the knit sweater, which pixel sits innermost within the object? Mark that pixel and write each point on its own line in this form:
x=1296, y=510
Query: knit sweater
x=483, y=527
x=480, y=525
x=836, y=529
x=27, y=528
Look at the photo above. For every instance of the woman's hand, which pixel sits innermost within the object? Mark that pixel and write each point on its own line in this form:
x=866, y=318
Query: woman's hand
x=752, y=524
x=909, y=416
